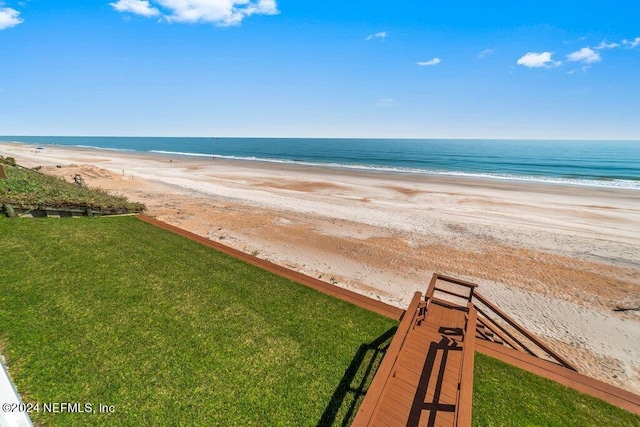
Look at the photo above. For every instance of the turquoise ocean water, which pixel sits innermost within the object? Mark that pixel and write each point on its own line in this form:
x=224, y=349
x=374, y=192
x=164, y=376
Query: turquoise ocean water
x=614, y=164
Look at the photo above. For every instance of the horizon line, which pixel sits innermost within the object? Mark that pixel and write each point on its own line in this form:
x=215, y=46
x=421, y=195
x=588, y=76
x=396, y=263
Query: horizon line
x=339, y=137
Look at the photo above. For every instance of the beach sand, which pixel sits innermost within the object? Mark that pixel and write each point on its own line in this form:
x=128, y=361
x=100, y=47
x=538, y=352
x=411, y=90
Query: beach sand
x=557, y=258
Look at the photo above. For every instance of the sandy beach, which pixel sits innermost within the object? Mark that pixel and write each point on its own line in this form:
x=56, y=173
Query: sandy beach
x=558, y=258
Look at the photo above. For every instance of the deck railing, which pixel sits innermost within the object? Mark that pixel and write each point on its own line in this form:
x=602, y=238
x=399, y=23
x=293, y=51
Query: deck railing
x=512, y=333
x=434, y=288
x=374, y=393
x=492, y=323
x=483, y=320
x=465, y=394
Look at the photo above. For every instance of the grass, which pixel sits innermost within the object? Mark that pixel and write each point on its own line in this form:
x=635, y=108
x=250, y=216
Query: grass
x=504, y=395
x=27, y=188
x=169, y=332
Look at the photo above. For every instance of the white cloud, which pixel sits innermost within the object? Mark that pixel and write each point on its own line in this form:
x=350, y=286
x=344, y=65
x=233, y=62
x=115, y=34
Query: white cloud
x=221, y=12
x=586, y=55
x=604, y=45
x=379, y=35
x=434, y=61
x=9, y=17
x=538, y=60
x=225, y=12
x=486, y=52
x=138, y=7
x=584, y=70
x=385, y=103
x=633, y=43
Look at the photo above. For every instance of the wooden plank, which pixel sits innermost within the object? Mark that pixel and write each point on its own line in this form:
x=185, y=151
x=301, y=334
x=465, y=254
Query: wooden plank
x=416, y=362
x=607, y=392
x=457, y=281
x=449, y=390
x=439, y=315
x=524, y=332
x=428, y=369
x=341, y=293
x=445, y=303
x=449, y=385
x=448, y=292
x=419, y=344
x=420, y=349
x=520, y=345
x=390, y=414
x=402, y=401
x=505, y=339
x=444, y=419
x=464, y=405
x=2, y=175
x=432, y=287
x=403, y=391
x=413, y=362
x=417, y=351
x=368, y=407
x=401, y=384
x=434, y=334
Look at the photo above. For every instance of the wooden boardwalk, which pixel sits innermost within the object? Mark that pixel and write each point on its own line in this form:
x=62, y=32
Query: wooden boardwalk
x=427, y=374
x=426, y=377
x=424, y=388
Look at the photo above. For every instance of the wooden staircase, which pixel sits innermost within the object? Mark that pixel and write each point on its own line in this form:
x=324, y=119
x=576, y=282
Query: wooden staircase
x=426, y=377
x=485, y=333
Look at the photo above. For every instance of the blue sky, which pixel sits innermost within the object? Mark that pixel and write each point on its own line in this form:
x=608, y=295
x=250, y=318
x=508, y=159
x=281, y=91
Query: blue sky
x=529, y=69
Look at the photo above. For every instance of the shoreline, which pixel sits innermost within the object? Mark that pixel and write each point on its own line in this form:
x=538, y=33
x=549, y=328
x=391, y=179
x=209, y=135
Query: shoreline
x=561, y=208
x=557, y=258
x=336, y=168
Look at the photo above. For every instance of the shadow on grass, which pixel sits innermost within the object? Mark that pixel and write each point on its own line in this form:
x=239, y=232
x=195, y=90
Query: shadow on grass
x=355, y=382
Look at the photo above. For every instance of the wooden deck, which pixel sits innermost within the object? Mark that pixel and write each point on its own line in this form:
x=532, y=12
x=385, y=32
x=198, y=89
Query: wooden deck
x=424, y=379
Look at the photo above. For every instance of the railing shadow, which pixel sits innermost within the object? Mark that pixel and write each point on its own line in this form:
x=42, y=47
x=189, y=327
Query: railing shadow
x=355, y=382
x=449, y=342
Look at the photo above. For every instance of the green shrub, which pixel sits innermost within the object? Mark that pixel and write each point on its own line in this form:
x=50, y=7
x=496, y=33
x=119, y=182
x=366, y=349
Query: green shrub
x=29, y=189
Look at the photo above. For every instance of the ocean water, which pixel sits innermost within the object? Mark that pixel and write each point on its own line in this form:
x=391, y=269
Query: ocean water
x=614, y=164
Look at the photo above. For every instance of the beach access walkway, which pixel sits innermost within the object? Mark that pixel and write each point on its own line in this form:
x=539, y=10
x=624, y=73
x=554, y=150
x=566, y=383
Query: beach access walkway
x=426, y=377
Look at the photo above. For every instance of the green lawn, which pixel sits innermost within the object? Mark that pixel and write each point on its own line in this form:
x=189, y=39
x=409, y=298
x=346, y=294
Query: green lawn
x=169, y=332
x=504, y=395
